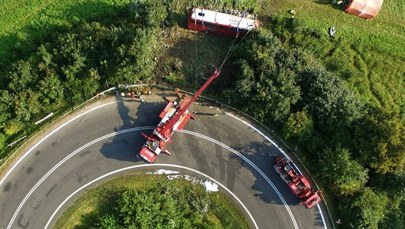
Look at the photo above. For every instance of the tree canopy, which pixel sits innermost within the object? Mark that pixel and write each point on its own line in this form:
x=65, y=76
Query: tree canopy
x=357, y=147
x=266, y=83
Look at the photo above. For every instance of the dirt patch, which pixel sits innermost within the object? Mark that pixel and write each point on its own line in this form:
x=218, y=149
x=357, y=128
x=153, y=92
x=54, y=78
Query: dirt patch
x=192, y=56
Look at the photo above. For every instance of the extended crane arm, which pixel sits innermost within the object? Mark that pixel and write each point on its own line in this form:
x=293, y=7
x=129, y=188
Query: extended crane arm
x=168, y=126
x=200, y=91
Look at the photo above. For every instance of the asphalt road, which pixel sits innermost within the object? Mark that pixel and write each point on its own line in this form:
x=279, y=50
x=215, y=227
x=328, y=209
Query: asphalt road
x=106, y=137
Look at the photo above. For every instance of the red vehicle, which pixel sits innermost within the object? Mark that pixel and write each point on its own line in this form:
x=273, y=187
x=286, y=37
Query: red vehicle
x=297, y=183
x=174, y=117
x=219, y=23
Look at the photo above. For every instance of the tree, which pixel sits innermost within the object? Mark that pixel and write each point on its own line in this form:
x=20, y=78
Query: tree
x=364, y=209
x=148, y=13
x=108, y=221
x=143, y=51
x=51, y=92
x=299, y=125
x=391, y=183
x=331, y=103
x=12, y=127
x=345, y=175
x=2, y=142
x=44, y=58
x=5, y=107
x=395, y=218
x=23, y=76
x=266, y=81
x=380, y=141
x=162, y=206
x=26, y=105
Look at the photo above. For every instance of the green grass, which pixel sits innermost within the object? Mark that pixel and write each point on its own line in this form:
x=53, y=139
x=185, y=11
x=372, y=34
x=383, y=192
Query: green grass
x=25, y=21
x=82, y=211
x=98, y=200
x=384, y=33
x=369, y=54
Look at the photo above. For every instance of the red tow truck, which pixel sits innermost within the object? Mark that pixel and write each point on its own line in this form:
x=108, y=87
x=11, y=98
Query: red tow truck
x=297, y=183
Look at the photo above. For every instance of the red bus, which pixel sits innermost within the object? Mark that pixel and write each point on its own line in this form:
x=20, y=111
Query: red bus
x=219, y=23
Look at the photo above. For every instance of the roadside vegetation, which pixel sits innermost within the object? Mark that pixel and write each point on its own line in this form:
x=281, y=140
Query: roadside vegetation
x=145, y=201
x=340, y=101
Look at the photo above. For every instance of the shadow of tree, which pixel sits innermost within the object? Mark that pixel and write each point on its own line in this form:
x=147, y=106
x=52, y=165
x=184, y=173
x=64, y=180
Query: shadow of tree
x=126, y=144
x=262, y=155
x=193, y=57
x=103, y=207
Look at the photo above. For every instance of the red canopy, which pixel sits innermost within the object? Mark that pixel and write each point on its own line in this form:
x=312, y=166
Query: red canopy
x=366, y=9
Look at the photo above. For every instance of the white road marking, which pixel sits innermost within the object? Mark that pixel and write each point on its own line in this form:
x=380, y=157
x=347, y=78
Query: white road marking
x=251, y=164
x=281, y=150
x=47, y=136
x=67, y=158
x=129, y=130
x=149, y=165
x=258, y=131
x=138, y=129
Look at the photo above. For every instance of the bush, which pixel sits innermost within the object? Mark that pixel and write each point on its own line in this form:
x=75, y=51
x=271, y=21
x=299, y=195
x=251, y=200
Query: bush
x=363, y=210
x=2, y=141
x=13, y=127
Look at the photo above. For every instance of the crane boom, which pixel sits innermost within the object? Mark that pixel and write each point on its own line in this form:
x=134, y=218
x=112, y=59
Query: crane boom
x=167, y=127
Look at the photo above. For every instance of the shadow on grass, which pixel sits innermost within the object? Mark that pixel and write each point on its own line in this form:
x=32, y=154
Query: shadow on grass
x=179, y=19
x=104, y=207
x=339, y=7
x=193, y=58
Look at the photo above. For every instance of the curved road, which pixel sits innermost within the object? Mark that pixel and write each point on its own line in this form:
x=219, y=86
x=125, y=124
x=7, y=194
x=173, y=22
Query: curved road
x=106, y=137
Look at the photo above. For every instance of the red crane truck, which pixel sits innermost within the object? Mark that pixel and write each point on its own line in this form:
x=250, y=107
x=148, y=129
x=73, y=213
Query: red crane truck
x=174, y=117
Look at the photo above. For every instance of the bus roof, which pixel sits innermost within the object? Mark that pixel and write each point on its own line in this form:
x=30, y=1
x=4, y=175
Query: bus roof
x=210, y=16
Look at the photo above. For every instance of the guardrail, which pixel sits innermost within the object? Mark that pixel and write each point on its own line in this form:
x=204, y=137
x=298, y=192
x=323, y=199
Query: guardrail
x=10, y=156
x=243, y=114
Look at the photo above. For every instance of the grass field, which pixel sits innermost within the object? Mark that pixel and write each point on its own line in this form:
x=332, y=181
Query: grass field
x=99, y=200
x=385, y=33
x=370, y=55
x=26, y=21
